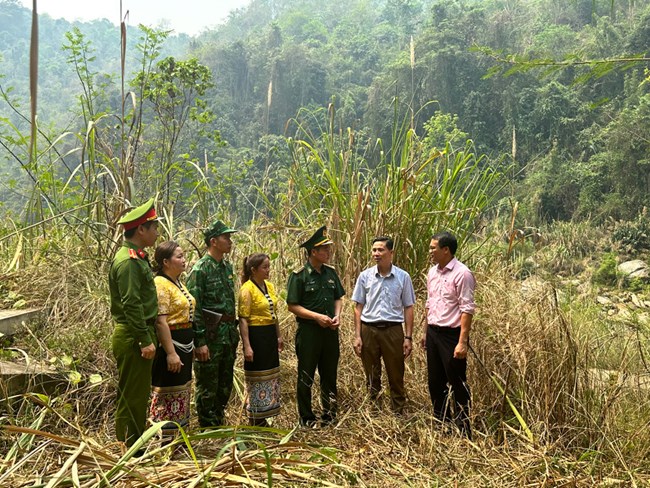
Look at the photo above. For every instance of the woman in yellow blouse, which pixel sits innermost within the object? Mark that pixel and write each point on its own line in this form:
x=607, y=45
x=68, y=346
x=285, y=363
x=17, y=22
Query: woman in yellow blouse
x=261, y=339
x=172, y=366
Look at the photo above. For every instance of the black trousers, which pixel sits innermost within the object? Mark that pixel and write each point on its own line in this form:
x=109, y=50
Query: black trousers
x=317, y=348
x=447, y=378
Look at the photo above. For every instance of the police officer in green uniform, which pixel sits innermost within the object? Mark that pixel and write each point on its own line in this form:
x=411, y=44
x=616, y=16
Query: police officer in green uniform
x=314, y=297
x=212, y=284
x=134, y=307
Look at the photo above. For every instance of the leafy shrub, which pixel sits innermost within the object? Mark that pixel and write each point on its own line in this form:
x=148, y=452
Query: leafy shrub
x=634, y=234
x=635, y=285
x=606, y=272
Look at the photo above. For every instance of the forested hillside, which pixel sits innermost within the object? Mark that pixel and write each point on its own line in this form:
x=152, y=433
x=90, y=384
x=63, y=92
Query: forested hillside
x=576, y=132
x=580, y=130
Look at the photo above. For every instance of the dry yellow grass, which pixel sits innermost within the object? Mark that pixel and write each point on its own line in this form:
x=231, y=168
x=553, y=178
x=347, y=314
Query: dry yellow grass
x=533, y=343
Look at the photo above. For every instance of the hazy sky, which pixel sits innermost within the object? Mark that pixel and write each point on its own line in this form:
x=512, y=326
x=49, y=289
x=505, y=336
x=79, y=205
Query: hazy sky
x=189, y=16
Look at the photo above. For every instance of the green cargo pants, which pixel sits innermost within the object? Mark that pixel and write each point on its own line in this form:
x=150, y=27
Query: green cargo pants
x=213, y=381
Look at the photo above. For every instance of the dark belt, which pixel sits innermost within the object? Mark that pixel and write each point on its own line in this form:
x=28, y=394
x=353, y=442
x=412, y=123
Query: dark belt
x=445, y=330
x=382, y=324
x=227, y=317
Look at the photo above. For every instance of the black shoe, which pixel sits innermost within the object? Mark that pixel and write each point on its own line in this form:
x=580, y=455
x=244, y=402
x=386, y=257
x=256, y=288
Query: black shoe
x=308, y=423
x=327, y=420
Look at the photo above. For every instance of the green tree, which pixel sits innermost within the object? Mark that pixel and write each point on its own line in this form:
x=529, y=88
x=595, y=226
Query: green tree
x=173, y=89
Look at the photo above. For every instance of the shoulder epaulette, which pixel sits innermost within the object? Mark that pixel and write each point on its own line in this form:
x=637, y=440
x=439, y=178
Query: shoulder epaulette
x=133, y=254
x=299, y=270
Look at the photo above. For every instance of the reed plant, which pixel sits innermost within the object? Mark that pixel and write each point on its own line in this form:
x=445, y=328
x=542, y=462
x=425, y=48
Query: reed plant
x=362, y=190
x=81, y=181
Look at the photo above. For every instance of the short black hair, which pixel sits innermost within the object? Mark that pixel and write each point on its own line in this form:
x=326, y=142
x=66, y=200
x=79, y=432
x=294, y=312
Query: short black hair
x=131, y=232
x=446, y=239
x=387, y=240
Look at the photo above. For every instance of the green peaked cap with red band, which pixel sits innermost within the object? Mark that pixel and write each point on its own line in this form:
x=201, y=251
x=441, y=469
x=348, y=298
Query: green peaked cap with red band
x=139, y=215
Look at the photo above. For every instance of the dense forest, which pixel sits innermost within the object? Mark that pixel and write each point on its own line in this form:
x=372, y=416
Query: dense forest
x=553, y=92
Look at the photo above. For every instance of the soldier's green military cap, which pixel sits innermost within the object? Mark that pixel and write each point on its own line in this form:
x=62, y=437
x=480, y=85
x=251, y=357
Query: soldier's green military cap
x=139, y=215
x=320, y=238
x=215, y=230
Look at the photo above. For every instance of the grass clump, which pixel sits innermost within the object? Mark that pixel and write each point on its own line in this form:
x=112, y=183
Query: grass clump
x=606, y=273
x=634, y=235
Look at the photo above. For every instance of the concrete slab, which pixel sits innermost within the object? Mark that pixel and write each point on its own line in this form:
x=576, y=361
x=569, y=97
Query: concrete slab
x=11, y=320
x=17, y=378
x=608, y=378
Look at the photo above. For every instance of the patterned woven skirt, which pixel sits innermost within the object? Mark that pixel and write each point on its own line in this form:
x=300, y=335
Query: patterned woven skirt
x=170, y=393
x=263, y=373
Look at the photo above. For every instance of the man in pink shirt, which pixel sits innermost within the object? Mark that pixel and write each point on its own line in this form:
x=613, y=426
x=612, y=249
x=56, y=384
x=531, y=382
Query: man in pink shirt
x=450, y=307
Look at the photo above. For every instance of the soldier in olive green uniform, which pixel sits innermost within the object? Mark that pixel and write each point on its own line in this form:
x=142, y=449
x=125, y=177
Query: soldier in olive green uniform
x=314, y=297
x=134, y=307
x=212, y=284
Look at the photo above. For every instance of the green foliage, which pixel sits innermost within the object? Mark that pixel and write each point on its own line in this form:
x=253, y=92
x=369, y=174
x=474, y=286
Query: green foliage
x=553, y=188
x=565, y=248
x=577, y=149
x=80, y=56
x=606, y=274
x=621, y=167
x=87, y=176
x=634, y=235
x=409, y=192
x=442, y=129
x=636, y=285
x=173, y=89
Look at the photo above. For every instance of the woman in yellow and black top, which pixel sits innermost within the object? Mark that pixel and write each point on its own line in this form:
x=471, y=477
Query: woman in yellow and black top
x=172, y=366
x=261, y=339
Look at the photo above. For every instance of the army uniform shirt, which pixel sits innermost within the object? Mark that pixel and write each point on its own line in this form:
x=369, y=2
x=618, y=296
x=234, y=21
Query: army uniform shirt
x=315, y=291
x=212, y=284
x=134, y=301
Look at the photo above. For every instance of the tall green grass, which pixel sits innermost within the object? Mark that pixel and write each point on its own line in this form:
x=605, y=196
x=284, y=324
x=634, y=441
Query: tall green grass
x=363, y=190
